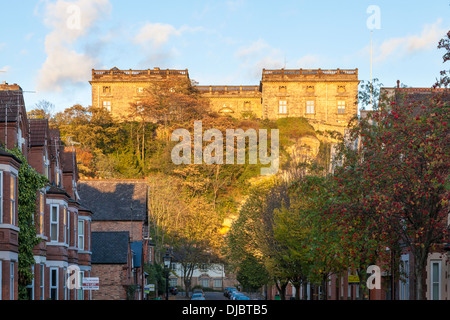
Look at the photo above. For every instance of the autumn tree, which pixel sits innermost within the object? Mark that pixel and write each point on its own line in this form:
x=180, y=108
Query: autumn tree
x=401, y=171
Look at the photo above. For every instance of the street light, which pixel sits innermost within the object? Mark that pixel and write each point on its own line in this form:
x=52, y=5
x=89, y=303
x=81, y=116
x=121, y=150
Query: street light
x=167, y=262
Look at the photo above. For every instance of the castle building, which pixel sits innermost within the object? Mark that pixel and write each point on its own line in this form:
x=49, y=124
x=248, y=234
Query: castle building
x=327, y=98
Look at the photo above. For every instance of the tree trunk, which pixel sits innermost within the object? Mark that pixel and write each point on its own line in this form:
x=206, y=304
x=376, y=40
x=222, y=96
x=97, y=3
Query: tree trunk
x=420, y=262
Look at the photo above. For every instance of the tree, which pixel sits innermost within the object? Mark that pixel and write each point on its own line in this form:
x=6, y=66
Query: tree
x=444, y=81
x=402, y=171
x=252, y=274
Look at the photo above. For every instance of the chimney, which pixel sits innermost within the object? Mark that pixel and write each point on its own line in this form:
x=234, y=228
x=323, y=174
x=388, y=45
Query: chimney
x=398, y=84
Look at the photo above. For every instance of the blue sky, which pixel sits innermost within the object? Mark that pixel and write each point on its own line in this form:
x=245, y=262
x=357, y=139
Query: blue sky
x=50, y=47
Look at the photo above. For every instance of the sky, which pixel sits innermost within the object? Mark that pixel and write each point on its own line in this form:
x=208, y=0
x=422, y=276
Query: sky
x=50, y=47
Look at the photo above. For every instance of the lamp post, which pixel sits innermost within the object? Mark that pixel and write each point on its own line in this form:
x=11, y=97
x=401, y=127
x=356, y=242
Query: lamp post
x=167, y=262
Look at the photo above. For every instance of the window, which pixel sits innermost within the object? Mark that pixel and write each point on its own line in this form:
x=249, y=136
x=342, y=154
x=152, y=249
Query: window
x=54, y=223
x=80, y=295
x=106, y=89
x=310, y=107
x=404, y=278
x=65, y=276
x=435, y=280
x=173, y=282
x=341, y=106
x=46, y=163
x=11, y=284
x=205, y=283
x=107, y=105
x=30, y=287
x=217, y=283
x=66, y=226
x=41, y=213
x=41, y=281
x=54, y=283
x=81, y=234
x=1, y=196
x=13, y=199
x=282, y=107
x=140, y=90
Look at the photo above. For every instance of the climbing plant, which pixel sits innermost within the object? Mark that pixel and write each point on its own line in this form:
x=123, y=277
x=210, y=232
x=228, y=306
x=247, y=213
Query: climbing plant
x=30, y=181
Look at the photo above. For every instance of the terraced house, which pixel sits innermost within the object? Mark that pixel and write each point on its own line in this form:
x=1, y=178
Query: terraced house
x=62, y=223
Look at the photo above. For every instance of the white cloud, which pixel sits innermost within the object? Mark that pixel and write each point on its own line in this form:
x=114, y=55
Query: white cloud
x=69, y=22
x=308, y=61
x=428, y=38
x=158, y=34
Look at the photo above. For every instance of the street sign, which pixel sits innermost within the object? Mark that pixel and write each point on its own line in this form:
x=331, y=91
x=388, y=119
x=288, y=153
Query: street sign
x=91, y=283
x=148, y=288
x=353, y=279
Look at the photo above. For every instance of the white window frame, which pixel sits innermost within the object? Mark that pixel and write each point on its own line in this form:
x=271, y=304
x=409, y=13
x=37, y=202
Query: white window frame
x=42, y=281
x=11, y=280
x=52, y=222
x=80, y=292
x=432, y=282
x=81, y=236
x=282, y=107
x=341, y=106
x=107, y=105
x=51, y=286
x=31, y=286
x=404, y=282
x=12, y=198
x=310, y=107
x=66, y=225
x=41, y=213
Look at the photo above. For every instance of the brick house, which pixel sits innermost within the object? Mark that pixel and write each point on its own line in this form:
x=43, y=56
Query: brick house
x=120, y=207
x=112, y=263
x=62, y=224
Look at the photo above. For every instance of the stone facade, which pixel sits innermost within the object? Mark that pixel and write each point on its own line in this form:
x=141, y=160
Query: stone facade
x=327, y=98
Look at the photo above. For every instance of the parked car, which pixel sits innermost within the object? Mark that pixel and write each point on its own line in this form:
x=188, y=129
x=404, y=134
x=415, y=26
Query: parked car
x=173, y=290
x=225, y=291
x=229, y=291
x=242, y=297
x=197, y=296
x=235, y=294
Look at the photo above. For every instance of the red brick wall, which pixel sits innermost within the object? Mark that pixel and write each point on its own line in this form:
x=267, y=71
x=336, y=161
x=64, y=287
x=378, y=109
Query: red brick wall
x=134, y=227
x=113, y=278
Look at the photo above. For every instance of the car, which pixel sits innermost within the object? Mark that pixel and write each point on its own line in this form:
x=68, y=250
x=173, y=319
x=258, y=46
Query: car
x=230, y=291
x=235, y=294
x=225, y=291
x=242, y=297
x=173, y=290
x=197, y=296
x=198, y=291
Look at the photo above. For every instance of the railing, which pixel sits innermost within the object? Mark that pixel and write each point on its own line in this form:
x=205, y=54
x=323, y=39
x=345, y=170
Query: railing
x=228, y=89
x=96, y=74
x=296, y=73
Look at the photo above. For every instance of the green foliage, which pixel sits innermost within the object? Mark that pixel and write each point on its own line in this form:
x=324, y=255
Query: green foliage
x=252, y=274
x=29, y=183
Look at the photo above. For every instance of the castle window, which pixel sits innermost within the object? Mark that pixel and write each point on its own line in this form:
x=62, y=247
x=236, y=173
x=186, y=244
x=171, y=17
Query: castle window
x=107, y=105
x=106, y=89
x=341, y=106
x=282, y=107
x=140, y=90
x=310, y=107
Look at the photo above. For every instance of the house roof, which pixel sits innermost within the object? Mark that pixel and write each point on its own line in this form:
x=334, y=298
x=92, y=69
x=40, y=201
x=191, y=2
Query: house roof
x=11, y=96
x=109, y=247
x=38, y=132
x=111, y=199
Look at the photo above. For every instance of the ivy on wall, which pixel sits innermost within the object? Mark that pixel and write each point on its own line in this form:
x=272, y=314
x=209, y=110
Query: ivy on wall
x=30, y=181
